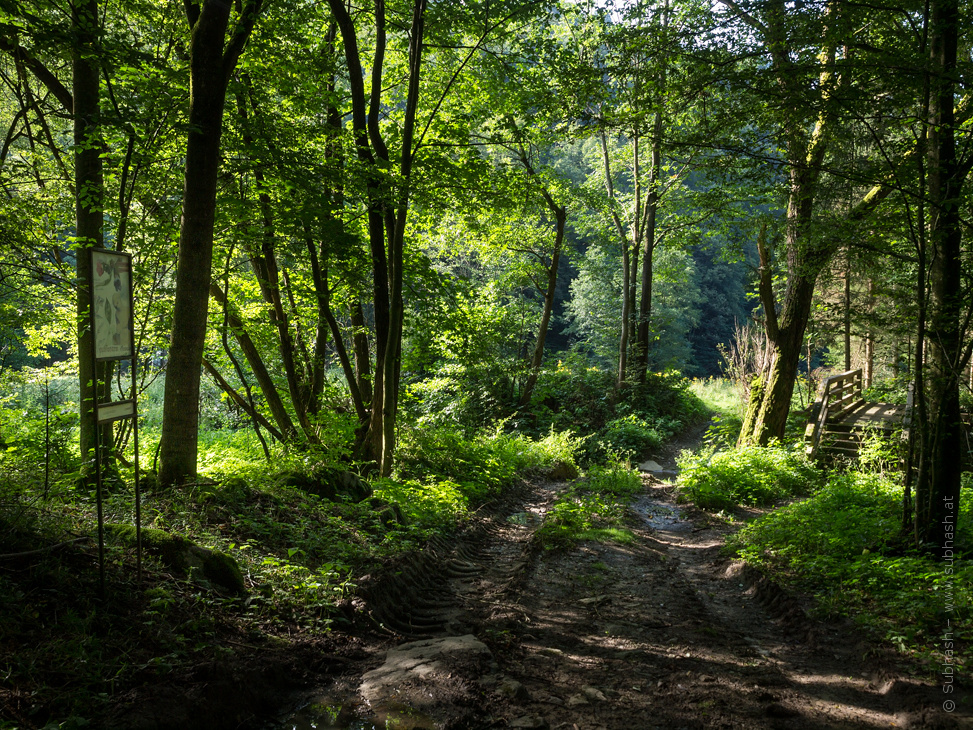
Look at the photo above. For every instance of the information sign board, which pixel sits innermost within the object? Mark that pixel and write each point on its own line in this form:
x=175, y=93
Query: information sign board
x=111, y=304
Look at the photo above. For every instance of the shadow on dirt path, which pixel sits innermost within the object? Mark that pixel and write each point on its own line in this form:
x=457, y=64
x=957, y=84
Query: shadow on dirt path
x=664, y=632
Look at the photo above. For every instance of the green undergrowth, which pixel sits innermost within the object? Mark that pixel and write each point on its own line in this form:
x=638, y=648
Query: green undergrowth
x=67, y=654
x=592, y=508
x=572, y=394
x=841, y=545
x=751, y=475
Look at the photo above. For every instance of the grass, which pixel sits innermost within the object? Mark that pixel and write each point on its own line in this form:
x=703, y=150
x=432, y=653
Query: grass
x=719, y=395
x=841, y=545
x=593, y=508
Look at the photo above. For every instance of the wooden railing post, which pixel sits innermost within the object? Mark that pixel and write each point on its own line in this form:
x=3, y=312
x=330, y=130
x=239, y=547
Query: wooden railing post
x=839, y=394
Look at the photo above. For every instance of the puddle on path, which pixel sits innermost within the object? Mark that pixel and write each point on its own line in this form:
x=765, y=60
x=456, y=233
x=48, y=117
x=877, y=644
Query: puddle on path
x=661, y=515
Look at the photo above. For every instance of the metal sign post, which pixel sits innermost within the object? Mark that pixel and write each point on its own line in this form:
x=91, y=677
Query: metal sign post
x=113, y=333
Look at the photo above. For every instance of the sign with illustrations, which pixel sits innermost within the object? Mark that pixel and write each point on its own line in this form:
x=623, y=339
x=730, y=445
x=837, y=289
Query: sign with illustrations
x=111, y=303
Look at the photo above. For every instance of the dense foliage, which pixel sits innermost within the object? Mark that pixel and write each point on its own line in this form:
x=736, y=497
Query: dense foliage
x=750, y=475
x=421, y=250
x=841, y=544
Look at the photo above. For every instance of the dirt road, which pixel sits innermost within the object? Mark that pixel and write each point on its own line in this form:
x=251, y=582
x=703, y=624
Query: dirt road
x=664, y=632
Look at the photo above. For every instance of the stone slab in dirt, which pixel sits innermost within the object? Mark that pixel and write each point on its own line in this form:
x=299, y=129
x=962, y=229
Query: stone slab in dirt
x=422, y=661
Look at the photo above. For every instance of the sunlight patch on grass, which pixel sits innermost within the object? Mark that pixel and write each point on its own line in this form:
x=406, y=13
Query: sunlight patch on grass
x=719, y=394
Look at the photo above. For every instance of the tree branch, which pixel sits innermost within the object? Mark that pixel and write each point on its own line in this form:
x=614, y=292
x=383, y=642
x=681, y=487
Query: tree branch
x=40, y=71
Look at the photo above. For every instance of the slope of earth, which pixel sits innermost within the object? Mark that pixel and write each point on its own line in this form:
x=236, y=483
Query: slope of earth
x=663, y=632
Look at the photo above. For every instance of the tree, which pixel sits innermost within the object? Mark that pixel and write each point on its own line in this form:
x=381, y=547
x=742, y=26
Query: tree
x=944, y=354
x=460, y=34
x=212, y=59
x=808, y=84
x=82, y=102
x=653, y=58
x=89, y=200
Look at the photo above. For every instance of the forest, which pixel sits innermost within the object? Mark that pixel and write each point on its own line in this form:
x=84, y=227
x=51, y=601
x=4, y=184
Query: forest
x=391, y=262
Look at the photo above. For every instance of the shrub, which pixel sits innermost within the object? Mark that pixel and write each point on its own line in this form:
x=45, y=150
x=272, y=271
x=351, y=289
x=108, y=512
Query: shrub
x=892, y=390
x=592, y=509
x=628, y=438
x=615, y=480
x=429, y=505
x=750, y=475
x=481, y=464
x=841, y=543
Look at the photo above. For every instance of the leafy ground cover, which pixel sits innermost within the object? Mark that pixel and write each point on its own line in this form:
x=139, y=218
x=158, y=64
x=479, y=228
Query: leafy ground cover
x=842, y=545
x=592, y=508
x=751, y=475
x=68, y=655
x=836, y=535
x=301, y=542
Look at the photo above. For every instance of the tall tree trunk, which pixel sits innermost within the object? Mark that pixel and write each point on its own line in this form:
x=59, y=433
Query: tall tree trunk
x=363, y=363
x=846, y=319
x=393, y=355
x=870, y=337
x=626, y=262
x=806, y=255
x=640, y=360
x=560, y=217
x=770, y=398
x=89, y=201
x=326, y=318
x=210, y=70
x=386, y=217
x=265, y=265
x=257, y=366
x=649, y=232
x=938, y=484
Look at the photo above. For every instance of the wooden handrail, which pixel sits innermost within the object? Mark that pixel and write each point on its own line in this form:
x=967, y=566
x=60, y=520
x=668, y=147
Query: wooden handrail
x=839, y=394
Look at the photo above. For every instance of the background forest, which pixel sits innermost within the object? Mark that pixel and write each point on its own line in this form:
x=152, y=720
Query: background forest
x=433, y=245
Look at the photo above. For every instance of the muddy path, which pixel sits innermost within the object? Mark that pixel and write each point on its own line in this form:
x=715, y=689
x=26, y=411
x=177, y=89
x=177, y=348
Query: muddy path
x=663, y=632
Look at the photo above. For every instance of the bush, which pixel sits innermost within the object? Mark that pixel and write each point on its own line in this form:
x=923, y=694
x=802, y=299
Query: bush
x=841, y=543
x=430, y=505
x=481, y=464
x=892, y=390
x=750, y=475
x=592, y=509
x=571, y=394
x=628, y=438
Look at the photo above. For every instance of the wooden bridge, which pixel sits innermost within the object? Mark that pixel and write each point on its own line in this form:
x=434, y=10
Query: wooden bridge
x=841, y=417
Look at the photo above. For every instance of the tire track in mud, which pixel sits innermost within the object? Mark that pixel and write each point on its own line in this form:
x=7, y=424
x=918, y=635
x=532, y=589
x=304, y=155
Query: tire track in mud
x=661, y=632
x=454, y=585
x=666, y=632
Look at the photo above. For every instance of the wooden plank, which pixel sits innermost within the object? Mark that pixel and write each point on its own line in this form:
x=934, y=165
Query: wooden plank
x=847, y=410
